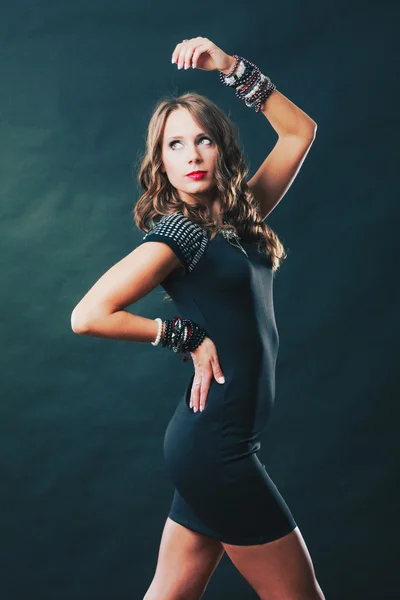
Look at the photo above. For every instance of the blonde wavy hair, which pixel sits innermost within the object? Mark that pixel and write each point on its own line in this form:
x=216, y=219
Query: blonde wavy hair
x=239, y=207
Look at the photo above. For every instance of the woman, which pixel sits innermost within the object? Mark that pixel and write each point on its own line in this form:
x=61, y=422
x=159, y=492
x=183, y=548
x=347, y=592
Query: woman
x=208, y=246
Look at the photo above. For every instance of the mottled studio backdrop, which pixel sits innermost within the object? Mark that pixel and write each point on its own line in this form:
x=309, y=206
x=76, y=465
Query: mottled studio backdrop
x=84, y=493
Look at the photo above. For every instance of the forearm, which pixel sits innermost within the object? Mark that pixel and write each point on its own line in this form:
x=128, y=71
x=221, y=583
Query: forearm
x=120, y=325
x=286, y=118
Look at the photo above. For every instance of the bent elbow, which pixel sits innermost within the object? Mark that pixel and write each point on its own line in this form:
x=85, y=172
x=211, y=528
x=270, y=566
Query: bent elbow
x=314, y=131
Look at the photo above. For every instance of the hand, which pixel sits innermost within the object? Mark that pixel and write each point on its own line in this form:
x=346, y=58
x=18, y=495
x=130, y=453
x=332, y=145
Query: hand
x=202, y=53
x=206, y=364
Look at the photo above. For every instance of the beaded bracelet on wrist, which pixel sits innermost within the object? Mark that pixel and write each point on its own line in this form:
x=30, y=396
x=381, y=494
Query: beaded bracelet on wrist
x=250, y=84
x=182, y=335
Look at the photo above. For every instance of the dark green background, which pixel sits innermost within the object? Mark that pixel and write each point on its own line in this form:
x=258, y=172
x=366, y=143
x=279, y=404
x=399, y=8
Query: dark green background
x=84, y=493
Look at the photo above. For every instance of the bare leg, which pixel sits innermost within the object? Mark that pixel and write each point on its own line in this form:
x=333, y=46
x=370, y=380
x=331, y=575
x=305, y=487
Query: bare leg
x=278, y=570
x=186, y=561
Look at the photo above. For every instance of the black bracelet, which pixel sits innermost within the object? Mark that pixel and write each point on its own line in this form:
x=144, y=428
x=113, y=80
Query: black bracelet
x=182, y=335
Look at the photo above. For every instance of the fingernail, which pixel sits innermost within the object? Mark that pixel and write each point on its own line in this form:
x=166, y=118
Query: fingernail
x=201, y=408
x=221, y=380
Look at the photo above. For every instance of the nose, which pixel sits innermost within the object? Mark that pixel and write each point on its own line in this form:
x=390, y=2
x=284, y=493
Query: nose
x=194, y=153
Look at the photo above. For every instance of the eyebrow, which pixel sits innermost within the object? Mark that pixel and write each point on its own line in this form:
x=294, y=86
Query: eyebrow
x=176, y=137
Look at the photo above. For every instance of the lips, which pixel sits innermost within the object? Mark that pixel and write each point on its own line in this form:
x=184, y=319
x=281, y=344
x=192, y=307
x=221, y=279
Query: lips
x=196, y=174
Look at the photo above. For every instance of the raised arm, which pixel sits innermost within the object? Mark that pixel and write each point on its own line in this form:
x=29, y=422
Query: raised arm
x=296, y=133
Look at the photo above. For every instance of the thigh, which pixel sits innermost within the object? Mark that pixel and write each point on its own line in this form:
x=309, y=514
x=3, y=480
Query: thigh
x=186, y=561
x=279, y=569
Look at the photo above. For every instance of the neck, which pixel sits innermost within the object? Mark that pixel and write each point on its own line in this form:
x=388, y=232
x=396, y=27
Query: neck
x=214, y=205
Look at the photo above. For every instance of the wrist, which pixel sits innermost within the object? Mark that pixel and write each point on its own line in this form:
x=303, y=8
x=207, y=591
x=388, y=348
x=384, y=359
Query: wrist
x=230, y=66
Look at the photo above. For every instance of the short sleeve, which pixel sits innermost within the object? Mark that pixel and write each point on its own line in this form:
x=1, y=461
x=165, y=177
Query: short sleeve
x=187, y=239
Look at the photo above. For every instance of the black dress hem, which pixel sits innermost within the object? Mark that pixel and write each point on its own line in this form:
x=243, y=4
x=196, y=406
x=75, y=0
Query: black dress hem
x=251, y=541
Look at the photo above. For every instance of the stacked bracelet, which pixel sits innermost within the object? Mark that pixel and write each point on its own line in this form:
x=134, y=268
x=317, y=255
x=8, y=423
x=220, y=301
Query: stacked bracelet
x=180, y=335
x=251, y=85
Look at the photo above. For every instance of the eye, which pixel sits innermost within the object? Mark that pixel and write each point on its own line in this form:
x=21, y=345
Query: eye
x=204, y=137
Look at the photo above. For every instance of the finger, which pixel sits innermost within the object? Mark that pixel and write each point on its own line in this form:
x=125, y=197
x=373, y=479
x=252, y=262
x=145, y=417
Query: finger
x=195, y=393
x=184, y=55
x=218, y=374
x=184, y=52
x=199, y=50
x=190, y=49
x=178, y=48
x=181, y=59
x=205, y=386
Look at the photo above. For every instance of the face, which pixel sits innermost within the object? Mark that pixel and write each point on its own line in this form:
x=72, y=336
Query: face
x=186, y=148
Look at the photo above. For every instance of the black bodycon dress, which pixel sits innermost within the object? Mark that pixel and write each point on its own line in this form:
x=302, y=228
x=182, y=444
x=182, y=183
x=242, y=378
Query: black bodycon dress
x=221, y=488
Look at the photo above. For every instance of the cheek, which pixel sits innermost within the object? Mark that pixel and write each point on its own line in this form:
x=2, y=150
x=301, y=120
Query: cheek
x=173, y=169
x=171, y=160
x=170, y=165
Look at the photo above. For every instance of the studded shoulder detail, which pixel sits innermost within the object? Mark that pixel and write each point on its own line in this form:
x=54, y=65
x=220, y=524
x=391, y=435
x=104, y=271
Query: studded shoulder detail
x=187, y=239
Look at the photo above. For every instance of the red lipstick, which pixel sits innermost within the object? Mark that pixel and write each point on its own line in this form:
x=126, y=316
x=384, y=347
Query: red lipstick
x=197, y=175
